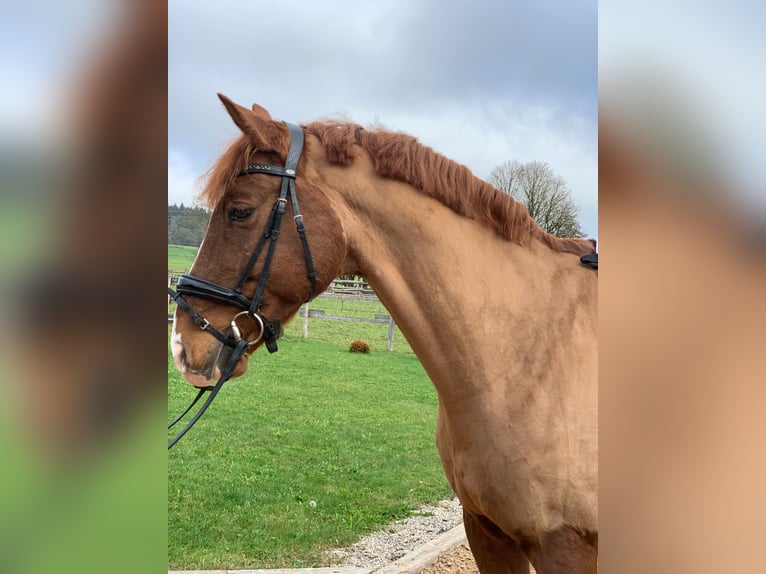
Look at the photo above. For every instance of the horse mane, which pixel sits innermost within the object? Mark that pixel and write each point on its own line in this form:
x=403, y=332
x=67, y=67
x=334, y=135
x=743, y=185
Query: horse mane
x=402, y=157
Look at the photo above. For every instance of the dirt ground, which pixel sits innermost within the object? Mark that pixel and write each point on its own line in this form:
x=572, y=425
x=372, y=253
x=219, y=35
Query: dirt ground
x=459, y=560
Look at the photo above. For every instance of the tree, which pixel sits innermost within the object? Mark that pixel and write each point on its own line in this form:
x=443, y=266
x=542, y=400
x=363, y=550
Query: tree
x=186, y=225
x=543, y=192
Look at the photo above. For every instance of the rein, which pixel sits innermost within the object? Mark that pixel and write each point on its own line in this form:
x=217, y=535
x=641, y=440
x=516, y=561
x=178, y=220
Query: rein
x=269, y=331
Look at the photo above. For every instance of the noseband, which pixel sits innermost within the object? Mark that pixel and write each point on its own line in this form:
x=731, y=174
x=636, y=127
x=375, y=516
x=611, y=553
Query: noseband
x=268, y=331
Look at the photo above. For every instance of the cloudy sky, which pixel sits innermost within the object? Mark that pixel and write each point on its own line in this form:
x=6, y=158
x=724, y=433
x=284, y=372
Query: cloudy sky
x=481, y=82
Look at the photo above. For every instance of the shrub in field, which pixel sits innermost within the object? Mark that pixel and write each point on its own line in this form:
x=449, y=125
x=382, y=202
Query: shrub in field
x=359, y=346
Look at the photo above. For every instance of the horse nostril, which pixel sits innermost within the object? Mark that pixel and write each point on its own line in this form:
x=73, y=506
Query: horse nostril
x=179, y=354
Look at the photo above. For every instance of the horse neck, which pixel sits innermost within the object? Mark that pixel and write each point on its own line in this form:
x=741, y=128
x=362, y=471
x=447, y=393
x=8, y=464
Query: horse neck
x=453, y=285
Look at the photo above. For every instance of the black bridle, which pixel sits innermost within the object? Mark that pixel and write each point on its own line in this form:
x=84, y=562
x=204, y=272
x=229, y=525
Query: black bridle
x=269, y=331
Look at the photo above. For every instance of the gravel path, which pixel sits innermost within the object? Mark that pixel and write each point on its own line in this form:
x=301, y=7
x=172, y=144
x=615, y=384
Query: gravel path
x=380, y=548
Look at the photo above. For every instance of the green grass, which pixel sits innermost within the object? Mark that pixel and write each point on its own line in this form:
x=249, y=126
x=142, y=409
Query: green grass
x=83, y=510
x=27, y=231
x=313, y=422
x=181, y=257
x=343, y=333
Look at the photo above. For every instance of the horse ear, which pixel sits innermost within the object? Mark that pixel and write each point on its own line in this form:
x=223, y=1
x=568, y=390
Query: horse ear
x=257, y=124
x=261, y=112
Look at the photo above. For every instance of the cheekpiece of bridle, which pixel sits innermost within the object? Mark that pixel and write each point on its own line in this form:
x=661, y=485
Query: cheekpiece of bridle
x=188, y=285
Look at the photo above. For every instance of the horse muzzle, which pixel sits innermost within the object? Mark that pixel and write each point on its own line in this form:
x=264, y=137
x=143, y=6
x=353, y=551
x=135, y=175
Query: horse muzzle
x=205, y=371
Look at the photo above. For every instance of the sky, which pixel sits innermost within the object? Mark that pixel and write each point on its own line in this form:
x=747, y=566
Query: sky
x=480, y=82
x=42, y=45
x=698, y=73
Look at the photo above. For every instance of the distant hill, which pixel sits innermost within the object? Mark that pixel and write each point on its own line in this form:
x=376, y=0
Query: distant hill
x=186, y=225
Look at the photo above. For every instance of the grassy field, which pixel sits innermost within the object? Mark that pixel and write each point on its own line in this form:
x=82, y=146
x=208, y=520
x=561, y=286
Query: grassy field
x=352, y=433
x=181, y=257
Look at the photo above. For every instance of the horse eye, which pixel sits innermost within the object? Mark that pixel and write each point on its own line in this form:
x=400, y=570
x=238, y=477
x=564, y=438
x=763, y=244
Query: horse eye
x=240, y=213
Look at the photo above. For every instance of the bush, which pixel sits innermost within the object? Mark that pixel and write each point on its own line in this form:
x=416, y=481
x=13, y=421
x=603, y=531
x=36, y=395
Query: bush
x=359, y=346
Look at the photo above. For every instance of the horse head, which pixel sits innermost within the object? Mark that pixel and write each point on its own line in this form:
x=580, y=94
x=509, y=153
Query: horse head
x=252, y=273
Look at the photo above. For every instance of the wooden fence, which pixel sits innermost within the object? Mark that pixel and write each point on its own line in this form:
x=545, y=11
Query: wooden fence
x=306, y=313
x=350, y=289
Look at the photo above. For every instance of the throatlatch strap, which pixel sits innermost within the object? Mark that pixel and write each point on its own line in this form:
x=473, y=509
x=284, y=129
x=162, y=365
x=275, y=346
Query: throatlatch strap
x=311, y=272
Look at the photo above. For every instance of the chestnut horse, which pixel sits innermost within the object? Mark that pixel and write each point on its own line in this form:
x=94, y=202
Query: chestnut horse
x=502, y=316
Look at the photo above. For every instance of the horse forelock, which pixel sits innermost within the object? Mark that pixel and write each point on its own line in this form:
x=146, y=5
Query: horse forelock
x=223, y=173
x=402, y=157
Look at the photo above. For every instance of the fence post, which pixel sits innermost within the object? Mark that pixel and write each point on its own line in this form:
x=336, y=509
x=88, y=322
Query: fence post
x=169, y=282
x=306, y=320
x=391, y=326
